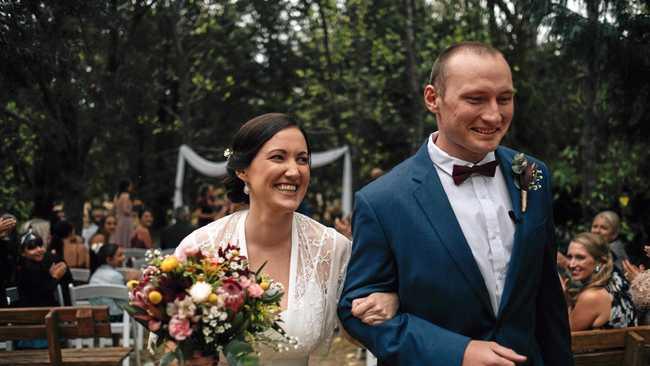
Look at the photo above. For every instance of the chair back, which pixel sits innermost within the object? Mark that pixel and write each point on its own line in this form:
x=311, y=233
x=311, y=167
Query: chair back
x=55, y=324
x=81, y=294
x=12, y=295
x=80, y=274
x=74, y=322
x=139, y=263
x=58, y=293
x=611, y=347
x=86, y=292
x=22, y=323
x=169, y=251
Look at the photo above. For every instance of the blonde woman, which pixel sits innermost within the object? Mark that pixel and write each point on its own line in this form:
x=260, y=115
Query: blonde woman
x=603, y=301
x=607, y=224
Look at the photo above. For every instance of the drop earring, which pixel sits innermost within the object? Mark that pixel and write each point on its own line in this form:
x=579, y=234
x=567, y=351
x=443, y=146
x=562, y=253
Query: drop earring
x=246, y=190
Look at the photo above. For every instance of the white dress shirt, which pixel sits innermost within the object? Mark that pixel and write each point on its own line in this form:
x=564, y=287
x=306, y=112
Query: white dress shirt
x=481, y=206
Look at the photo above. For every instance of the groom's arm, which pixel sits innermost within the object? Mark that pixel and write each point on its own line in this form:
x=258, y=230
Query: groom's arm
x=552, y=329
x=406, y=339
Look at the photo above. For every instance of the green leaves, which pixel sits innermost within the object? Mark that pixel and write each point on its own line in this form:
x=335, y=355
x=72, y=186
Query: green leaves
x=240, y=353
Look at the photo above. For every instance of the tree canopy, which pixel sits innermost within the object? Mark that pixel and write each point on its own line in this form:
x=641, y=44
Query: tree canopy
x=97, y=91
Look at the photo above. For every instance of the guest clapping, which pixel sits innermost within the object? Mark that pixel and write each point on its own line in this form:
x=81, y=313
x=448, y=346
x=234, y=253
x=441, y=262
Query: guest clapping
x=38, y=274
x=603, y=301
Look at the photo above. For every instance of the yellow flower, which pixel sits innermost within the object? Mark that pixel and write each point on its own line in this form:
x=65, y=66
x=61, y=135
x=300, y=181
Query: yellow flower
x=624, y=200
x=213, y=298
x=132, y=284
x=264, y=285
x=169, y=264
x=155, y=297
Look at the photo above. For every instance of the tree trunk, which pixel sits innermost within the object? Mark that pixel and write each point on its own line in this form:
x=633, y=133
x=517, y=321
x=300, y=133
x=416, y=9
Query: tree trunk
x=412, y=75
x=591, y=124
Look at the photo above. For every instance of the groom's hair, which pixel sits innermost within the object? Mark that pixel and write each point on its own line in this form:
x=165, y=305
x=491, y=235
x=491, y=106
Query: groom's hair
x=438, y=76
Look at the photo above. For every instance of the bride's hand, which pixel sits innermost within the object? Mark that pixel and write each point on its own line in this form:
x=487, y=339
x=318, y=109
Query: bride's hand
x=376, y=308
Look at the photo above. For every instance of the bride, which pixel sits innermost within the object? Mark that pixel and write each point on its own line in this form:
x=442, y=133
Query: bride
x=269, y=168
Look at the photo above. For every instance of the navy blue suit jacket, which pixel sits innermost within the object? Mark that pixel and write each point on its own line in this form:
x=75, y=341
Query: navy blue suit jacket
x=407, y=240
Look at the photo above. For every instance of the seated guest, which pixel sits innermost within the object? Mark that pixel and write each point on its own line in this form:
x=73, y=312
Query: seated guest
x=95, y=219
x=96, y=241
x=639, y=278
x=172, y=235
x=108, y=227
x=603, y=300
x=607, y=225
x=141, y=236
x=38, y=273
x=69, y=246
x=110, y=257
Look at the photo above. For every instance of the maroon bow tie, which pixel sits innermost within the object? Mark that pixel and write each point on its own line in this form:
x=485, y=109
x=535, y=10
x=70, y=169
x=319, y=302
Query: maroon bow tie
x=460, y=172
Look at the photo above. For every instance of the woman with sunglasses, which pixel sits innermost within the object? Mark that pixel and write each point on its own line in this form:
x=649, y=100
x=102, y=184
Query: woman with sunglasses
x=38, y=273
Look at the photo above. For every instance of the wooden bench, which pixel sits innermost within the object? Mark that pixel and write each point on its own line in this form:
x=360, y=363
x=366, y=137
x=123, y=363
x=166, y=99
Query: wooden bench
x=55, y=324
x=611, y=347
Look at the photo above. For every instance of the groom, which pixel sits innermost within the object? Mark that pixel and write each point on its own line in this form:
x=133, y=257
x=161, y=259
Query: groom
x=446, y=230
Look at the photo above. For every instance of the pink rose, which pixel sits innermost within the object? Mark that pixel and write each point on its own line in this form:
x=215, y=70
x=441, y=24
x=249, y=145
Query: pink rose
x=255, y=291
x=245, y=281
x=179, y=328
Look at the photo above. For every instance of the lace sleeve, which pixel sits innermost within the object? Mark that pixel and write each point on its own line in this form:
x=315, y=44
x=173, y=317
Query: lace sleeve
x=640, y=290
x=208, y=238
x=339, y=255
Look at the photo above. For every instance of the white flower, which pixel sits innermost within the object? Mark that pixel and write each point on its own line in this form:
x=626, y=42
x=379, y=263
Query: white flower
x=200, y=291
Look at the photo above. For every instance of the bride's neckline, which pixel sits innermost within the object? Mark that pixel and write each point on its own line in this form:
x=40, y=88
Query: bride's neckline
x=243, y=248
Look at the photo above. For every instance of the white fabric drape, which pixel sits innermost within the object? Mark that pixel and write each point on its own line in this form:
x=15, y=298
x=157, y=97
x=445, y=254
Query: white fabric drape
x=212, y=169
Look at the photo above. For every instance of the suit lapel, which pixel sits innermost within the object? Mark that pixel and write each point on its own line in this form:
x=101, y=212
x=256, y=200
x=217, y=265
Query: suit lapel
x=505, y=162
x=433, y=201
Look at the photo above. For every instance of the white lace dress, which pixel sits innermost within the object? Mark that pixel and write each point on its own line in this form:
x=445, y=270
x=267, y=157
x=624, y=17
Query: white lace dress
x=319, y=256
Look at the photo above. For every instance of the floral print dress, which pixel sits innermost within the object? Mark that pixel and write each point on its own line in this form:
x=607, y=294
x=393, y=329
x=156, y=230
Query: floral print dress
x=623, y=313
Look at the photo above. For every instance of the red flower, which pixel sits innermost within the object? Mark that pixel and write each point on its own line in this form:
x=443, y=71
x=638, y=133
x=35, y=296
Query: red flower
x=232, y=294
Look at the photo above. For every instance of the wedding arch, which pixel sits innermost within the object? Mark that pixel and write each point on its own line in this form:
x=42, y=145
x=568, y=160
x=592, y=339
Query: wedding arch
x=218, y=169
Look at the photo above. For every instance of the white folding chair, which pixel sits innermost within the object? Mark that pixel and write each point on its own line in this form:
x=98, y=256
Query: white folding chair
x=165, y=252
x=80, y=295
x=80, y=274
x=139, y=263
x=134, y=252
x=12, y=295
x=58, y=293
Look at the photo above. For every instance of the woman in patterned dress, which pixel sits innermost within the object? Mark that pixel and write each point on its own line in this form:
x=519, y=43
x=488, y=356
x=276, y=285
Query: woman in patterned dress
x=603, y=300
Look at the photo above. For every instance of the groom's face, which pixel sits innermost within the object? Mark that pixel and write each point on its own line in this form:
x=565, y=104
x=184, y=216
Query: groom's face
x=477, y=106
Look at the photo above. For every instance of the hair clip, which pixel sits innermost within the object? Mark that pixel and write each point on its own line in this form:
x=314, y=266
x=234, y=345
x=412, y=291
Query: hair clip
x=227, y=153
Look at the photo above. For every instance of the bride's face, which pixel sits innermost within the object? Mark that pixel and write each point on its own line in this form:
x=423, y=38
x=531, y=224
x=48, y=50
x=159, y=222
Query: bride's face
x=279, y=175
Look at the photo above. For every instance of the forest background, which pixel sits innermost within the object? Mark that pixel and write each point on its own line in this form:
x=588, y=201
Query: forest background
x=96, y=91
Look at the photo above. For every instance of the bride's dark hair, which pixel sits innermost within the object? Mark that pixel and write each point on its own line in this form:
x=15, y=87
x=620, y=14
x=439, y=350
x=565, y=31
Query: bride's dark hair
x=247, y=142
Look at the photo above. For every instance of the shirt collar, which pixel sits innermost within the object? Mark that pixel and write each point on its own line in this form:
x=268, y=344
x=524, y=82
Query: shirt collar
x=446, y=162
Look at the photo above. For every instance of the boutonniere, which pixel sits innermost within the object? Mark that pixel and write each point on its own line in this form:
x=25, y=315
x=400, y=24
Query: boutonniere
x=527, y=177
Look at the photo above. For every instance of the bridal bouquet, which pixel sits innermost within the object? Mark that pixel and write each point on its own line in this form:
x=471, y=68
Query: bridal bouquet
x=210, y=303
